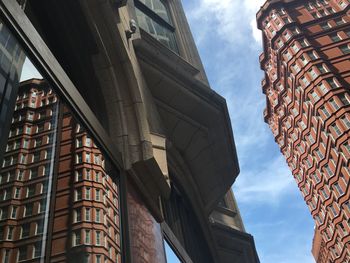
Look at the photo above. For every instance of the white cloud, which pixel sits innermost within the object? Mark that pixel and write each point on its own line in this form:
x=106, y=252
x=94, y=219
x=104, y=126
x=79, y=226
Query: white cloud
x=267, y=184
x=230, y=18
x=257, y=35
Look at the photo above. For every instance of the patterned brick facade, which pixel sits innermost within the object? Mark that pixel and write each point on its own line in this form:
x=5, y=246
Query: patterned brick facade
x=306, y=64
x=51, y=164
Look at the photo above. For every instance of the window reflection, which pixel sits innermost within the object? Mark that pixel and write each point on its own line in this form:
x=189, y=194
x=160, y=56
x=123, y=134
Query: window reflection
x=171, y=257
x=152, y=17
x=59, y=193
x=158, y=7
x=11, y=63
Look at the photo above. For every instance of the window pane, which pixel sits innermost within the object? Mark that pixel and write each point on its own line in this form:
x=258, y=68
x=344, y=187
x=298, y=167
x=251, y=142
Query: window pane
x=170, y=254
x=158, y=7
x=159, y=32
x=39, y=154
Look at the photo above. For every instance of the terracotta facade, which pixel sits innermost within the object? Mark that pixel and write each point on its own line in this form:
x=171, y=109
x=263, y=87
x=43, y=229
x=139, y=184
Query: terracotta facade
x=306, y=62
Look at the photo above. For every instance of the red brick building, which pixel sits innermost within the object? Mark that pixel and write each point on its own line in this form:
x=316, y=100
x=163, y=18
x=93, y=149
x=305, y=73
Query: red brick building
x=77, y=208
x=306, y=64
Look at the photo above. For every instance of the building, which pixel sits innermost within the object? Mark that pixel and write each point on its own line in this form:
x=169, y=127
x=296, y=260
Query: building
x=306, y=62
x=27, y=179
x=117, y=149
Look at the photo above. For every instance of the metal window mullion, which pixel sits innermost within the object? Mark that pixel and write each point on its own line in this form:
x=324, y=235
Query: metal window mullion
x=30, y=40
x=150, y=13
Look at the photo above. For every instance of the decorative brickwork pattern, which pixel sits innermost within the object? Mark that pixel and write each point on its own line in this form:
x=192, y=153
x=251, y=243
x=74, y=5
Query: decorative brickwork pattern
x=306, y=64
x=58, y=195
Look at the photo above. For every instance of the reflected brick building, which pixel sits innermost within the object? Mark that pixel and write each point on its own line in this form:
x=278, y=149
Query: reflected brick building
x=306, y=64
x=77, y=208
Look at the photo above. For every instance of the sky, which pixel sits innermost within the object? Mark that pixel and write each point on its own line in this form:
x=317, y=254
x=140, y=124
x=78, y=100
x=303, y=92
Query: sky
x=271, y=205
x=29, y=71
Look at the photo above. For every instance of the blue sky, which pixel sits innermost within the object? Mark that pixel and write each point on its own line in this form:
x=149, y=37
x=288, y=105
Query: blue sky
x=271, y=205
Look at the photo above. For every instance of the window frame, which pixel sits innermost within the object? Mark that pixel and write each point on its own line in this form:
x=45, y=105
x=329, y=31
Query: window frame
x=174, y=244
x=168, y=25
x=153, y=15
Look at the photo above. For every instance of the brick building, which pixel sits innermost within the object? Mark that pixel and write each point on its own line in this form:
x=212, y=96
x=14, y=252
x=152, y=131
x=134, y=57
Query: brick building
x=85, y=211
x=306, y=64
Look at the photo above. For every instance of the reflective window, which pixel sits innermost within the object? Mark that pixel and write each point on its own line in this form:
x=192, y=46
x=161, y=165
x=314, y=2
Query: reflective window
x=42, y=153
x=152, y=16
x=171, y=257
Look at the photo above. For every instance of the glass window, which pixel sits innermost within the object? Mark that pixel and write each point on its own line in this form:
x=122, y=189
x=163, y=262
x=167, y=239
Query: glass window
x=171, y=257
x=25, y=230
x=152, y=16
x=88, y=142
x=77, y=215
x=79, y=158
x=336, y=129
x=88, y=174
x=98, y=195
x=98, y=216
x=325, y=25
x=321, y=68
x=87, y=193
x=98, y=177
x=22, y=253
x=14, y=212
x=334, y=104
x=312, y=55
x=87, y=214
x=339, y=21
x=79, y=142
x=40, y=227
x=37, y=250
x=87, y=236
x=76, y=236
x=345, y=49
x=88, y=157
x=78, y=194
x=98, y=238
x=28, y=209
x=28, y=171
x=338, y=188
x=17, y=193
x=10, y=233
x=325, y=112
x=346, y=122
x=79, y=175
x=335, y=37
x=344, y=99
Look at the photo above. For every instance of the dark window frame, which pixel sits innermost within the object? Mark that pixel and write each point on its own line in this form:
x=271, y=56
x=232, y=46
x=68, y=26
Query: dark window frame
x=174, y=244
x=167, y=25
x=157, y=18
